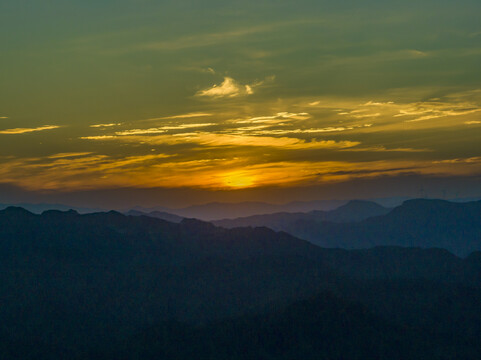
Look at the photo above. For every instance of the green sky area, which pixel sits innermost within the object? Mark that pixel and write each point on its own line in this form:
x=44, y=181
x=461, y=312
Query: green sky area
x=268, y=99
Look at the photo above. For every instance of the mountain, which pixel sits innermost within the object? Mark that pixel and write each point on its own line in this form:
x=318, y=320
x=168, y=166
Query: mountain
x=39, y=208
x=86, y=286
x=218, y=210
x=354, y=210
x=108, y=274
x=156, y=214
x=416, y=223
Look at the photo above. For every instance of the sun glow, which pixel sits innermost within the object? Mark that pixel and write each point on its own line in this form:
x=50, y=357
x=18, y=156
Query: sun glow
x=238, y=179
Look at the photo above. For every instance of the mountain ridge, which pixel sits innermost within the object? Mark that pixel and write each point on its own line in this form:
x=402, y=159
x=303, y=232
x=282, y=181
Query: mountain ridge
x=416, y=223
x=83, y=281
x=352, y=211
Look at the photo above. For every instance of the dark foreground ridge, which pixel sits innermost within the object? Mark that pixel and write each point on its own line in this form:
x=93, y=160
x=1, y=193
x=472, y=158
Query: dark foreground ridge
x=111, y=286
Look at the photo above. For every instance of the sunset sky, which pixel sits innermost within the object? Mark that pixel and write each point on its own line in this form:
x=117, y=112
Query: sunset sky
x=273, y=100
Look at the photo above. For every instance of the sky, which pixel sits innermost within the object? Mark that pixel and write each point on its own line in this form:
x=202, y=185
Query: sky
x=133, y=102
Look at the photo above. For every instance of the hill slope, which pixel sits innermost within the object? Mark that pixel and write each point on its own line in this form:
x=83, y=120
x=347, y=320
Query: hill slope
x=71, y=284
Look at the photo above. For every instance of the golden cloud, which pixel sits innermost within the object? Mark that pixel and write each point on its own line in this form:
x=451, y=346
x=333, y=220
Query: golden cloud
x=28, y=130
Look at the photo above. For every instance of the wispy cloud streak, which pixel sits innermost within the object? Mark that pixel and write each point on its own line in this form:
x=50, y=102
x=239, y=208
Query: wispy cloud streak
x=28, y=130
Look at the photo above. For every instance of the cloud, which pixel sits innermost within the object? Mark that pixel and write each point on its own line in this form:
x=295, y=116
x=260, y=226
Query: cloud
x=3, y=117
x=77, y=170
x=28, y=130
x=261, y=145
x=98, y=137
x=229, y=88
x=186, y=126
x=386, y=114
x=371, y=171
x=68, y=155
x=104, y=125
x=162, y=129
x=275, y=119
x=207, y=139
x=215, y=140
x=360, y=113
x=380, y=148
x=374, y=103
x=435, y=109
x=473, y=122
x=258, y=130
x=279, y=131
x=140, y=132
x=471, y=160
x=183, y=116
x=364, y=116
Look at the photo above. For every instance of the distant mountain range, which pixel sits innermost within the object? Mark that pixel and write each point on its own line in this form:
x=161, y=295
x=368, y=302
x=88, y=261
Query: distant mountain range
x=110, y=286
x=218, y=210
x=353, y=211
x=156, y=214
x=361, y=224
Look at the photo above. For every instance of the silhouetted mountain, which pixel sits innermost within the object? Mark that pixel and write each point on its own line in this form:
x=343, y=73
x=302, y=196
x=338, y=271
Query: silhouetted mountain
x=110, y=274
x=218, y=210
x=39, y=208
x=417, y=223
x=77, y=286
x=354, y=210
x=156, y=214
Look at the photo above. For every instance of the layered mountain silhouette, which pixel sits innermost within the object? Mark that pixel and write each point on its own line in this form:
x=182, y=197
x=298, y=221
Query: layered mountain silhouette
x=221, y=210
x=353, y=211
x=156, y=214
x=107, y=286
x=416, y=223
